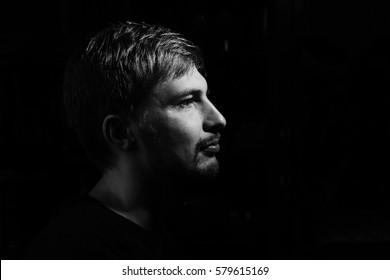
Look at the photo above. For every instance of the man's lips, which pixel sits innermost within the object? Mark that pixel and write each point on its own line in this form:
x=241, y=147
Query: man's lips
x=211, y=146
x=212, y=149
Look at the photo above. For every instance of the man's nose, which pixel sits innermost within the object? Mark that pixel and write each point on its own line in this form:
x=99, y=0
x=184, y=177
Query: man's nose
x=214, y=121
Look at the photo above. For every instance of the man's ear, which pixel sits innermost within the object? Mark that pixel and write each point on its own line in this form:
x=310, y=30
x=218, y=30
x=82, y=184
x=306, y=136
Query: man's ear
x=117, y=132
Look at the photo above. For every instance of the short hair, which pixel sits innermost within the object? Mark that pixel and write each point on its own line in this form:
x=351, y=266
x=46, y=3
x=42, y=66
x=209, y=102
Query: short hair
x=112, y=71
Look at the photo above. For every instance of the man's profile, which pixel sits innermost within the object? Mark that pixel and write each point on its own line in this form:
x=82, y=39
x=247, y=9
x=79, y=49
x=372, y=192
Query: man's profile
x=138, y=101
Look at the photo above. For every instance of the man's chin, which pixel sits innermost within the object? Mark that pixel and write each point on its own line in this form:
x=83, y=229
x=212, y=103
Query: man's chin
x=207, y=171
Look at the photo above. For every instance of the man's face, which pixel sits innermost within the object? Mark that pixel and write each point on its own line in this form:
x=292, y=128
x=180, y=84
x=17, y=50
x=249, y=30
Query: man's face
x=181, y=128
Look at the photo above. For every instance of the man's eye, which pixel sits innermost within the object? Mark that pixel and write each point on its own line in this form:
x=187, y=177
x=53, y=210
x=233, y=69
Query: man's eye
x=186, y=102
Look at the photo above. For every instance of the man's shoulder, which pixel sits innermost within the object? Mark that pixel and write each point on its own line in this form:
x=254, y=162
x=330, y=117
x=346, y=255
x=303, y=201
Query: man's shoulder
x=69, y=234
x=89, y=230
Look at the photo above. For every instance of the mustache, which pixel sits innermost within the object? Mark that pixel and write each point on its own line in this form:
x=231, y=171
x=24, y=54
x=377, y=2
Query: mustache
x=204, y=143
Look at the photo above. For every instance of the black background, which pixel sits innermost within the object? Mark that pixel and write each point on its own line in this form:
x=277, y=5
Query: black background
x=304, y=86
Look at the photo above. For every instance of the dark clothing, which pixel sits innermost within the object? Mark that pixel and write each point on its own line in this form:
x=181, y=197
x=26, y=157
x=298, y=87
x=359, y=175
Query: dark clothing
x=90, y=230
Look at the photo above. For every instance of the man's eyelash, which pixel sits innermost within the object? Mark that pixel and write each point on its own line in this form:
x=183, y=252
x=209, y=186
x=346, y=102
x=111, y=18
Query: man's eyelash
x=186, y=102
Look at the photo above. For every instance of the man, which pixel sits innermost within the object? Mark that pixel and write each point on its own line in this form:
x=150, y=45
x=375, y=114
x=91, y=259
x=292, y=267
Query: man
x=139, y=104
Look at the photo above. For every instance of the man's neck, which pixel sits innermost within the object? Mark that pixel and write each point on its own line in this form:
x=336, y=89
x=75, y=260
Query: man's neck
x=125, y=193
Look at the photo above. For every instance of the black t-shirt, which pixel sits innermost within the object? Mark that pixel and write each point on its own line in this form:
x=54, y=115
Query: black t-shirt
x=90, y=230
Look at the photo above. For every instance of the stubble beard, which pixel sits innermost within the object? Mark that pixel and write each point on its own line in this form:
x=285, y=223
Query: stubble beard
x=208, y=172
x=196, y=166
x=200, y=169
x=166, y=164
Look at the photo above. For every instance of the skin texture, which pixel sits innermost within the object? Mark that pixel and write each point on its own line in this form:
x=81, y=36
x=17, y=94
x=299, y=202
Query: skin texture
x=179, y=124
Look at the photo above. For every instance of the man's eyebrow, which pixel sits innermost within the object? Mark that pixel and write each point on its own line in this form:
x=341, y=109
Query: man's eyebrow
x=187, y=92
